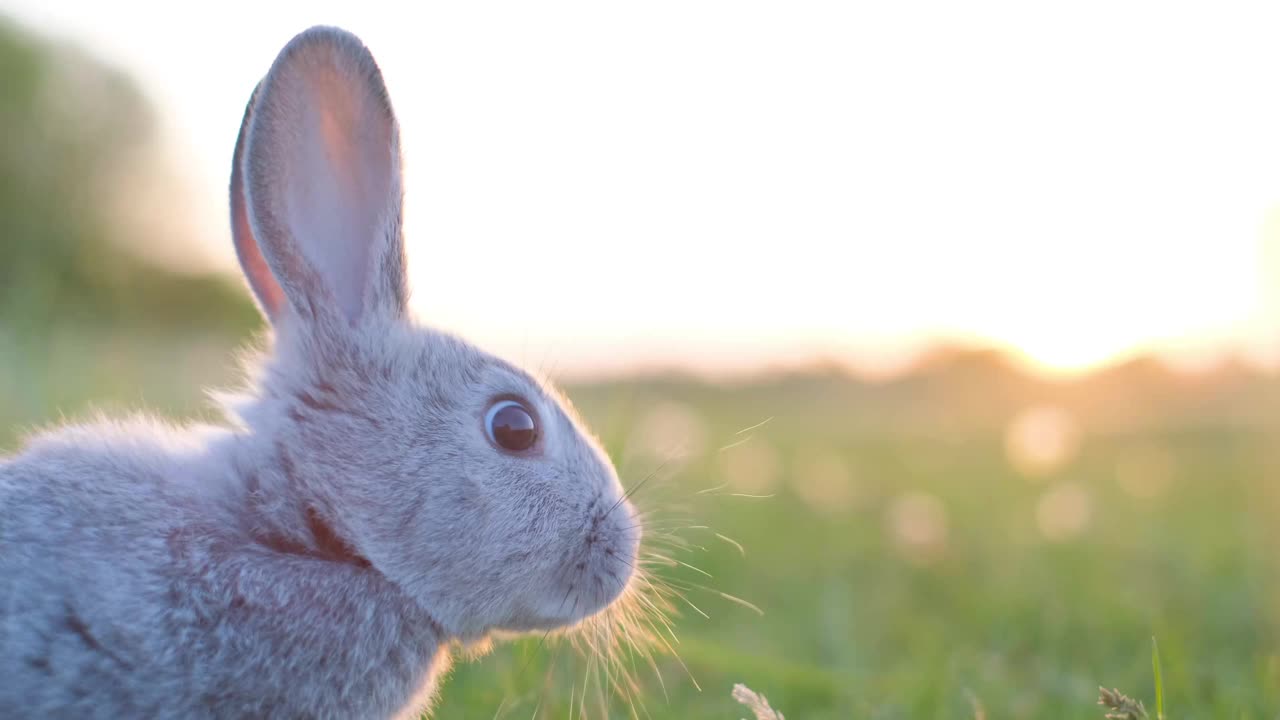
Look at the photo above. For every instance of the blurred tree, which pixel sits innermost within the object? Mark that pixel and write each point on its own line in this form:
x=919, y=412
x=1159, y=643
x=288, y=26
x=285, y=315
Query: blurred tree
x=74, y=134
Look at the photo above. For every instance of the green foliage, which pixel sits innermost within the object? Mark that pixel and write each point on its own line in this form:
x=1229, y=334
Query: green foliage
x=1001, y=622
x=74, y=130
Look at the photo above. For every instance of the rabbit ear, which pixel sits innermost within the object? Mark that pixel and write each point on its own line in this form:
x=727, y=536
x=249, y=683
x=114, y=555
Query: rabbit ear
x=322, y=184
x=261, y=281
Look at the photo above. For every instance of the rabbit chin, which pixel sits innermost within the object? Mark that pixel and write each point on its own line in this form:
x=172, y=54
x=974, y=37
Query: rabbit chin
x=572, y=604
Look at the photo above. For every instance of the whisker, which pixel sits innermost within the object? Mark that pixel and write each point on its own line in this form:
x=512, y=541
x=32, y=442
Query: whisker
x=663, y=559
x=734, y=543
x=582, y=705
x=696, y=609
x=619, y=671
x=624, y=624
x=676, y=655
x=637, y=486
x=665, y=528
x=662, y=618
x=757, y=426
x=653, y=665
x=735, y=599
x=546, y=679
x=599, y=668
x=568, y=589
x=695, y=569
x=735, y=443
x=606, y=663
x=731, y=598
x=676, y=593
x=532, y=655
x=624, y=560
x=721, y=486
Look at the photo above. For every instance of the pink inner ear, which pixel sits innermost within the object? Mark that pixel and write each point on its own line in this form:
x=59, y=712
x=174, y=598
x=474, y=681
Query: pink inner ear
x=254, y=264
x=352, y=138
x=339, y=123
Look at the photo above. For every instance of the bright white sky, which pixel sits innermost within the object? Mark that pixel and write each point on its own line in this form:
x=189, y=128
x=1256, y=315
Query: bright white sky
x=726, y=184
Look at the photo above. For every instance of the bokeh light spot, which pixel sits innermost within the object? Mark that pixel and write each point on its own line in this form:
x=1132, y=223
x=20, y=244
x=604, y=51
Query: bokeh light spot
x=1040, y=440
x=1064, y=511
x=824, y=482
x=917, y=524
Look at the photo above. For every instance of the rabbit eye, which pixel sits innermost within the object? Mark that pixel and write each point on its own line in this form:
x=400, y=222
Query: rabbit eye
x=511, y=426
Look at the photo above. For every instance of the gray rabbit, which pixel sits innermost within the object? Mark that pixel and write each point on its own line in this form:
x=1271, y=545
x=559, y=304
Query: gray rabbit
x=385, y=492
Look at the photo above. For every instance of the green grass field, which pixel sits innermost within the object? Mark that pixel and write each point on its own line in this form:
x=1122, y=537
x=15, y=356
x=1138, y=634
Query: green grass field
x=907, y=562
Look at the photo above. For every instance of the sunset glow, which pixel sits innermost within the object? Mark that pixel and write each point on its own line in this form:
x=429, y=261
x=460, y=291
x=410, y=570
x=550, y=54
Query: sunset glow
x=728, y=186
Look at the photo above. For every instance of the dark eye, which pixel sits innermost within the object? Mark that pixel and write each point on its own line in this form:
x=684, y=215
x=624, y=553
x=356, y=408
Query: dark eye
x=511, y=426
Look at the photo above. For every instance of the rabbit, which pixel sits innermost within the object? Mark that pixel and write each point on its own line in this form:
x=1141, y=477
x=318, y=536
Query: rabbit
x=385, y=494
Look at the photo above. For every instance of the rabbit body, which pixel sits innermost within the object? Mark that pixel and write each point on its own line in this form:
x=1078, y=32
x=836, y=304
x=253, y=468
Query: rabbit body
x=137, y=586
x=382, y=492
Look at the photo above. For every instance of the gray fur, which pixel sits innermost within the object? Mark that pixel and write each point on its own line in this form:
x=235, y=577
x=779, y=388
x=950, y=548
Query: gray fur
x=319, y=555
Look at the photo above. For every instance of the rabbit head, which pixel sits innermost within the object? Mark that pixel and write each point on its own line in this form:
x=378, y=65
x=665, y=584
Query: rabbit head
x=464, y=480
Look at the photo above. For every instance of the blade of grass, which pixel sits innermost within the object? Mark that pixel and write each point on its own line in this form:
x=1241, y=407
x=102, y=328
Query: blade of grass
x=1155, y=669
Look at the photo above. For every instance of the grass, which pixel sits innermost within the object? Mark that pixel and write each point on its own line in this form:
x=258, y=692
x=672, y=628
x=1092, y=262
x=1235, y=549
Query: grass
x=1159, y=677
x=1122, y=707
x=905, y=568
x=758, y=704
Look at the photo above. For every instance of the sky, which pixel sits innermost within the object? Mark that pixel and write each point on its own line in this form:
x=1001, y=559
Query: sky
x=730, y=185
